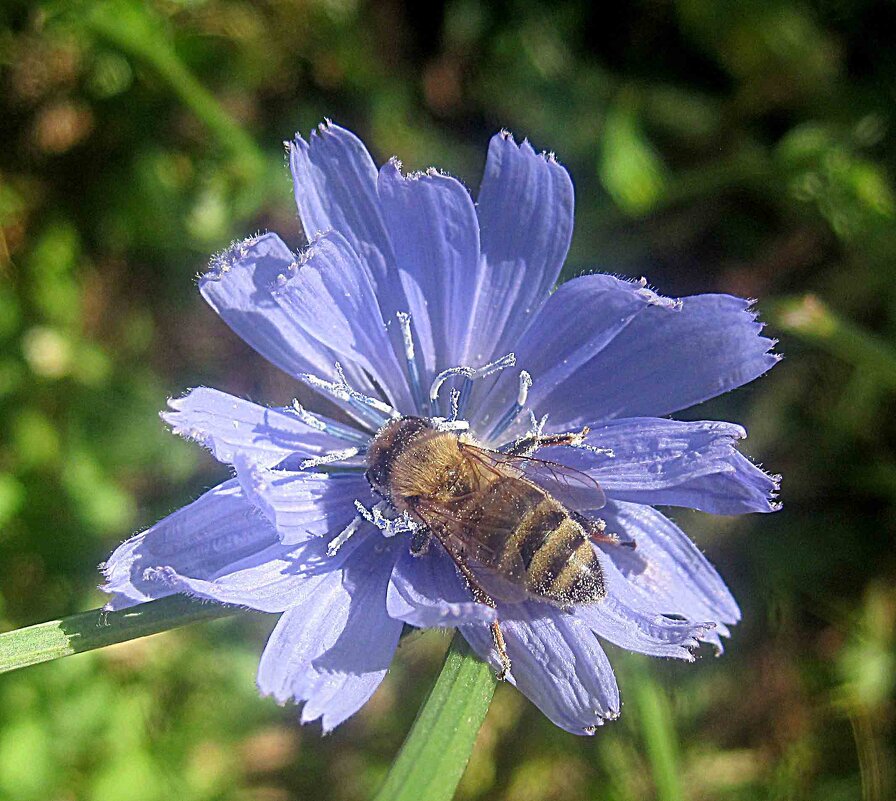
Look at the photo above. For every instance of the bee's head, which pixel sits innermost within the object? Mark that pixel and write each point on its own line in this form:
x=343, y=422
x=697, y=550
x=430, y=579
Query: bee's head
x=389, y=442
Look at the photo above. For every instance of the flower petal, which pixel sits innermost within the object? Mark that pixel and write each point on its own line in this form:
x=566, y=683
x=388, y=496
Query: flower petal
x=525, y=209
x=668, y=358
x=332, y=649
x=676, y=463
x=238, y=287
x=578, y=320
x=218, y=547
x=666, y=567
x=229, y=426
x=435, y=235
x=557, y=662
x=427, y=591
x=301, y=504
x=334, y=179
x=627, y=619
x=330, y=294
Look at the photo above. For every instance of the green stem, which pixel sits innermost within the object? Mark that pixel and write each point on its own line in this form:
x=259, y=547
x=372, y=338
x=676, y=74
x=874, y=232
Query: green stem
x=658, y=729
x=812, y=320
x=136, y=30
x=438, y=747
x=97, y=628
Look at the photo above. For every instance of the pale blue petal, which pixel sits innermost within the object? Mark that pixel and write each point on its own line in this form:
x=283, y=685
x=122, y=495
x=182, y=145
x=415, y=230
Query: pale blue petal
x=333, y=648
x=301, y=504
x=334, y=179
x=666, y=568
x=525, y=210
x=667, y=358
x=625, y=618
x=229, y=426
x=330, y=294
x=582, y=317
x=671, y=462
x=435, y=235
x=219, y=548
x=428, y=591
x=238, y=287
x=557, y=662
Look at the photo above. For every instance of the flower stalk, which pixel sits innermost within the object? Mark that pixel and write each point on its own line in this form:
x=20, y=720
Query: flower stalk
x=437, y=749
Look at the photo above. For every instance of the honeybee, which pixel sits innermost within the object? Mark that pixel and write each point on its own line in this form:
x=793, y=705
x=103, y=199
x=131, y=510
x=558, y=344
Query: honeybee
x=510, y=537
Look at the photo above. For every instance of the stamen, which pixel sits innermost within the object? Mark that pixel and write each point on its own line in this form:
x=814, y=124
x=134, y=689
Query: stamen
x=340, y=539
x=525, y=386
x=513, y=412
x=404, y=320
x=442, y=424
x=470, y=373
x=331, y=428
x=389, y=527
x=536, y=426
x=441, y=378
x=466, y=390
x=507, y=360
x=374, y=411
x=609, y=452
x=455, y=405
x=329, y=458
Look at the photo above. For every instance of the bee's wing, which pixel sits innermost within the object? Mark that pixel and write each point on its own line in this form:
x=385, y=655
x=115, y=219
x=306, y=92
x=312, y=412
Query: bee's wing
x=498, y=572
x=576, y=490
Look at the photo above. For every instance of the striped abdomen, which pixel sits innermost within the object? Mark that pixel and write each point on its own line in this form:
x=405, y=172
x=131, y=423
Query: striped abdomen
x=552, y=549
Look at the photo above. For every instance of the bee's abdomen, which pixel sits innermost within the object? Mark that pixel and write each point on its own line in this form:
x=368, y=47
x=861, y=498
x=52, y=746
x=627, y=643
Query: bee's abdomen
x=561, y=565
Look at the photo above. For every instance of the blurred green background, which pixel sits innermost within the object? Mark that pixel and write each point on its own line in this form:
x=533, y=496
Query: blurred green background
x=743, y=147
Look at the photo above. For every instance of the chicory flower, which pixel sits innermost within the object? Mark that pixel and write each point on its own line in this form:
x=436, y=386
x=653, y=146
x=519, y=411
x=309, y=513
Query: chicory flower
x=411, y=299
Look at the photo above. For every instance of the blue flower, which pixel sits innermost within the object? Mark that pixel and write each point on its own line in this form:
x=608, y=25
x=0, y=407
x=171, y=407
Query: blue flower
x=412, y=300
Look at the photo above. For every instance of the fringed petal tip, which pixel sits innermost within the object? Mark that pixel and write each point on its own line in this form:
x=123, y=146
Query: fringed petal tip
x=525, y=146
x=642, y=289
x=240, y=249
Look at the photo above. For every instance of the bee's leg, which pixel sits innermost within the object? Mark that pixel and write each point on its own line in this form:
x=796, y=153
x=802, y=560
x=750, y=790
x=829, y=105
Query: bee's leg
x=420, y=541
x=528, y=445
x=482, y=597
x=501, y=648
x=596, y=530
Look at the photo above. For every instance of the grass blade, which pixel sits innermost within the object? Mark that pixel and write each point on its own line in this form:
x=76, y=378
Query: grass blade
x=98, y=628
x=658, y=729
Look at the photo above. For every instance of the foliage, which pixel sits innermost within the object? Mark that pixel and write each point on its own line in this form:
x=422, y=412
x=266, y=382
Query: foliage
x=739, y=147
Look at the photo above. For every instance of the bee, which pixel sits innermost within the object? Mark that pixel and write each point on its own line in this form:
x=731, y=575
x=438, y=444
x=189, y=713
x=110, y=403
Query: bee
x=510, y=522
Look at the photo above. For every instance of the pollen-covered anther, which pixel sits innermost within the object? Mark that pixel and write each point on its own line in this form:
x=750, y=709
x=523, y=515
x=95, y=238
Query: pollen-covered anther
x=655, y=299
x=470, y=374
x=525, y=386
x=343, y=536
x=372, y=410
x=329, y=458
x=455, y=404
x=407, y=336
x=510, y=416
x=388, y=526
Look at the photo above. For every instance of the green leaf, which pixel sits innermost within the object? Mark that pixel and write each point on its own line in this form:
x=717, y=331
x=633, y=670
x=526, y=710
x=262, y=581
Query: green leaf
x=658, y=729
x=98, y=628
x=435, y=753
